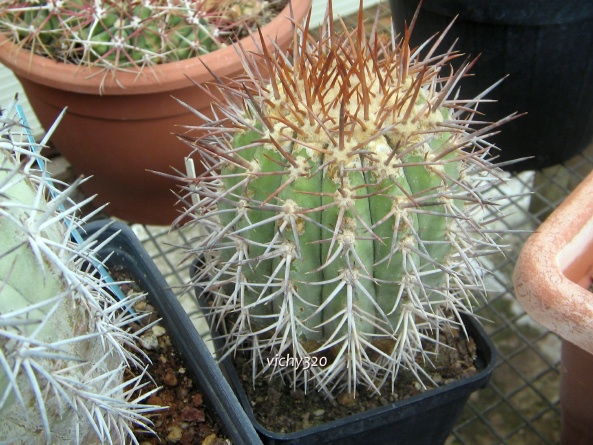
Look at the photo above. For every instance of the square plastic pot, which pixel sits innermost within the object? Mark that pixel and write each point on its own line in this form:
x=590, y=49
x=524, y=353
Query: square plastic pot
x=424, y=419
x=126, y=251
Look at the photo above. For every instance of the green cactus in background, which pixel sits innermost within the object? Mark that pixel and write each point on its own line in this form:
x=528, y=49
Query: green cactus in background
x=129, y=35
x=342, y=208
x=65, y=340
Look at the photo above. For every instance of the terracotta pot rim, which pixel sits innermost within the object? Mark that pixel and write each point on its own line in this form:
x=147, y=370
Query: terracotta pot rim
x=544, y=283
x=224, y=62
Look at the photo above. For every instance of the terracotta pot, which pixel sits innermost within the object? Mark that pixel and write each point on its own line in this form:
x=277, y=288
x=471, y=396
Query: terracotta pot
x=552, y=278
x=576, y=395
x=117, y=130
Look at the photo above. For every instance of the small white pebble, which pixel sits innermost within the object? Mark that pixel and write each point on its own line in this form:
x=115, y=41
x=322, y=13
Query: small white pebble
x=157, y=330
x=175, y=433
x=149, y=341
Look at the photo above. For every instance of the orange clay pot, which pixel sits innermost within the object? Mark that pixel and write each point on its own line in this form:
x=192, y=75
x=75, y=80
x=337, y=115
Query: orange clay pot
x=118, y=130
x=552, y=278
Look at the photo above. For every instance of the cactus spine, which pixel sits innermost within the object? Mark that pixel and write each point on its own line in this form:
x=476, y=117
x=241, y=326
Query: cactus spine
x=342, y=208
x=62, y=334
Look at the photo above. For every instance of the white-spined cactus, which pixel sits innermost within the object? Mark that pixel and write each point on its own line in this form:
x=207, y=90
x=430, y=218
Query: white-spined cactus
x=342, y=207
x=65, y=340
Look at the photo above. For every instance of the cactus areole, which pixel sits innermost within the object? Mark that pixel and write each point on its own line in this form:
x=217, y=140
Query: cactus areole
x=343, y=209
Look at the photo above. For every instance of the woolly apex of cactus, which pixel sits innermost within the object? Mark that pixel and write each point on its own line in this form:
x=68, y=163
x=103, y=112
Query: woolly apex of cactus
x=129, y=34
x=65, y=341
x=342, y=208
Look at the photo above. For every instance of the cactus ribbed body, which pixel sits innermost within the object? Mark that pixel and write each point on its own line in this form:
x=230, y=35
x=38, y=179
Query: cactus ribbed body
x=126, y=34
x=62, y=334
x=342, y=210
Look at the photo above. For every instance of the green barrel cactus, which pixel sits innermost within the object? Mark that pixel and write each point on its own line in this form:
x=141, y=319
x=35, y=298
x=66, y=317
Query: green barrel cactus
x=127, y=35
x=65, y=340
x=342, y=209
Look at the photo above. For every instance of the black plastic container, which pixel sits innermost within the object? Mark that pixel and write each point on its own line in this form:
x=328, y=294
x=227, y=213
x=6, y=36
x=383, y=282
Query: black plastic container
x=126, y=251
x=425, y=419
x=546, y=48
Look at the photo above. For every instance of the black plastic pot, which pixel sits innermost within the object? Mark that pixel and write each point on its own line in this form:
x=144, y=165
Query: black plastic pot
x=546, y=48
x=126, y=251
x=425, y=419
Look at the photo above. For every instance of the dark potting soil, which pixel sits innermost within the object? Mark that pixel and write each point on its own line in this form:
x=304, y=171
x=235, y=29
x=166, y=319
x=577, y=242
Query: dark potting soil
x=281, y=409
x=186, y=419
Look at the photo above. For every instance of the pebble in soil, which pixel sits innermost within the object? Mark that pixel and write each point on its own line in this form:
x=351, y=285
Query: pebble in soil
x=186, y=419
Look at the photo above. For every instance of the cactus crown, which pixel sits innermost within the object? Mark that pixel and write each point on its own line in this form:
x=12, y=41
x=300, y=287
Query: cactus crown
x=342, y=208
x=128, y=35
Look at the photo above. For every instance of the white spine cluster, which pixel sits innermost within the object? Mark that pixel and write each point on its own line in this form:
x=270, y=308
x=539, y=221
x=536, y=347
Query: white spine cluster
x=62, y=333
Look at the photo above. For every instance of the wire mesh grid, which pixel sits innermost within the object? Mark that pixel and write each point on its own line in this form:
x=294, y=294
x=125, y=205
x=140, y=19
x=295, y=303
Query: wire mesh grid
x=520, y=405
